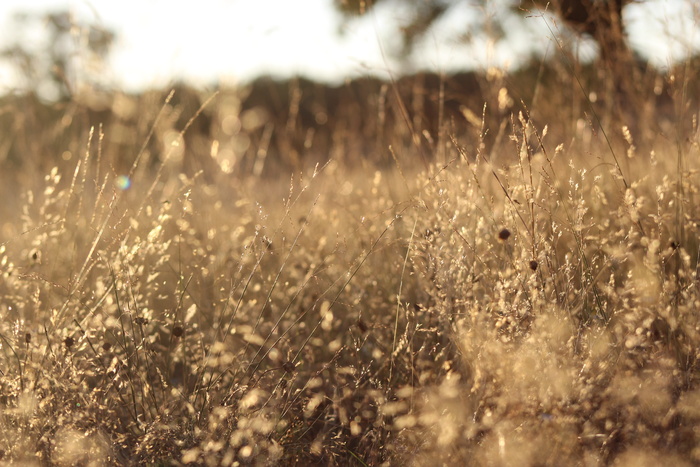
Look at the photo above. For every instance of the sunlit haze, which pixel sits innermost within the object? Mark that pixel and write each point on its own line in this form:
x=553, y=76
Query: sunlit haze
x=215, y=41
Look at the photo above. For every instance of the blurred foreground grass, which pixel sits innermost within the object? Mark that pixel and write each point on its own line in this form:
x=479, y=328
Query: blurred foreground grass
x=520, y=289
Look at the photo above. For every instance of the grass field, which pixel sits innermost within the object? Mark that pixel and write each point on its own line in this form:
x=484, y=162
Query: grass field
x=527, y=294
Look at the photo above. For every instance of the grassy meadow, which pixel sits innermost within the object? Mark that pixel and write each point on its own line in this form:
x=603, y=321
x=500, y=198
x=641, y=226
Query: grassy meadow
x=502, y=277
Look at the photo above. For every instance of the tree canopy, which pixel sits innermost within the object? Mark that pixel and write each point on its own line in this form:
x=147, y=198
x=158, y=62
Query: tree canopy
x=600, y=19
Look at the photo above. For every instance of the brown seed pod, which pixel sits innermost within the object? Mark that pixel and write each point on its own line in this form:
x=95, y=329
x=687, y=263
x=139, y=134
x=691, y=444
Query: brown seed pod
x=178, y=331
x=69, y=341
x=533, y=265
x=504, y=234
x=362, y=326
x=28, y=337
x=106, y=346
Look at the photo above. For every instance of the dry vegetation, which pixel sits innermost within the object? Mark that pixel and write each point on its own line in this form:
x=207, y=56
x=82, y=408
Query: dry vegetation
x=518, y=287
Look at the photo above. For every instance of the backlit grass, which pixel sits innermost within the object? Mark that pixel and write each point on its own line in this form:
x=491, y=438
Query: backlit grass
x=533, y=302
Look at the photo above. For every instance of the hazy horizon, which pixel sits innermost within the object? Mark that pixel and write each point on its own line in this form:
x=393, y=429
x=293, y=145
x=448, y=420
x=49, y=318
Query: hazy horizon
x=224, y=41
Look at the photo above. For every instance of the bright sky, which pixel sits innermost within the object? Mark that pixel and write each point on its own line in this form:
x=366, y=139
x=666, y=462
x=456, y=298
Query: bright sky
x=210, y=41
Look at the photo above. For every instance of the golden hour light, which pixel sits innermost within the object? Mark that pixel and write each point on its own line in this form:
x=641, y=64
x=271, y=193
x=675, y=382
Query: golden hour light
x=349, y=233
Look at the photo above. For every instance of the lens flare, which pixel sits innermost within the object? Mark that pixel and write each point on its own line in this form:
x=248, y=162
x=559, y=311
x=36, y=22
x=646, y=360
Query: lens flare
x=123, y=182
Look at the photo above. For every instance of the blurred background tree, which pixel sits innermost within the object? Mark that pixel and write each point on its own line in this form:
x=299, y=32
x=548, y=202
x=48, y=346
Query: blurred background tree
x=600, y=19
x=68, y=58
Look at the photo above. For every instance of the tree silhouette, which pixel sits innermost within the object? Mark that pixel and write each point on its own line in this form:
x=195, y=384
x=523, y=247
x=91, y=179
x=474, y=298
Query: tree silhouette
x=599, y=19
x=69, y=57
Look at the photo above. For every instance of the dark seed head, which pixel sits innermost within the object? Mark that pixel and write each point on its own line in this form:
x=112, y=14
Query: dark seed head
x=674, y=245
x=362, y=325
x=28, y=338
x=504, y=234
x=178, y=331
x=533, y=265
x=289, y=367
x=69, y=341
x=106, y=346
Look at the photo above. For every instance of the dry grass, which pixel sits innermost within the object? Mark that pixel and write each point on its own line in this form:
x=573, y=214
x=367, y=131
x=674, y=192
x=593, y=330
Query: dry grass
x=530, y=303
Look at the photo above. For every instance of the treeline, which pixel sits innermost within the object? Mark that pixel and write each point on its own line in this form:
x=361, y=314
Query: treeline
x=269, y=125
